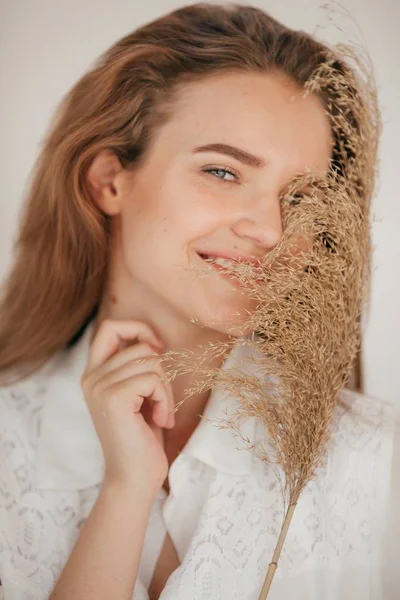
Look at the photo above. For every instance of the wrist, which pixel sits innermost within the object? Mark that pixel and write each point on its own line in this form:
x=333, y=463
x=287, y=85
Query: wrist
x=131, y=490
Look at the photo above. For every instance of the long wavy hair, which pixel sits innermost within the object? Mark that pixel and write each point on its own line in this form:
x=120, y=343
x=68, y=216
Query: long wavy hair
x=58, y=276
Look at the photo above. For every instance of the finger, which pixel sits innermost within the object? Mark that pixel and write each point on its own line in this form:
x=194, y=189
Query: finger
x=129, y=370
x=158, y=432
x=106, y=342
x=126, y=356
x=133, y=392
x=171, y=405
x=147, y=411
x=132, y=353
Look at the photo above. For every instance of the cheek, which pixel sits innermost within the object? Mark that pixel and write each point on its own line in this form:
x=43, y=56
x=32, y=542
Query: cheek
x=142, y=216
x=150, y=241
x=196, y=204
x=167, y=219
x=301, y=243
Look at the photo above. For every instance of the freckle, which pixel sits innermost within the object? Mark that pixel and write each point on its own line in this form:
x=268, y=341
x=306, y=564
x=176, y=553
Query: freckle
x=114, y=299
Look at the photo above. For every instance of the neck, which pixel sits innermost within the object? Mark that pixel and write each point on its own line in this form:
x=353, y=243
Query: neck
x=178, y=335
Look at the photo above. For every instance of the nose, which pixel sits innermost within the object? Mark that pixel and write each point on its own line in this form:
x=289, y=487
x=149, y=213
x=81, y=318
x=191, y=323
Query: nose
x=262, y=221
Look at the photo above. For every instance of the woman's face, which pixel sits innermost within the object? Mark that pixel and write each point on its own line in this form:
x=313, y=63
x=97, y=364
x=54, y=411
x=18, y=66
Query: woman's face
x=211, y=183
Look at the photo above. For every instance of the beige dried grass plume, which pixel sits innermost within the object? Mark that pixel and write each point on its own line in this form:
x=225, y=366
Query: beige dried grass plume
x=310, y=297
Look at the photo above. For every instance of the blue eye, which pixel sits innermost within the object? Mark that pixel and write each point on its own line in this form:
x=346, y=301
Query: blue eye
x=223, y=171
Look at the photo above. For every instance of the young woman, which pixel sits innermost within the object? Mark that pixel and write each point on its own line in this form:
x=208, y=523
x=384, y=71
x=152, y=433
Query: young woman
x=177, y=144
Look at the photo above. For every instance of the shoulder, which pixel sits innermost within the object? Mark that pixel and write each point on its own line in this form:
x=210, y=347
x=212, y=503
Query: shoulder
x=37, y=527
x=341, y=513
x=363, y=423
x=361, y=450
x=360, y=424
x=21, y=405
x=358, y=459
x=20, y=394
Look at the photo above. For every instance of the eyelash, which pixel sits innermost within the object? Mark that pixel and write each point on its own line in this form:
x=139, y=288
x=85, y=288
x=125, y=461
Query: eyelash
x=221, y=169
x=296, y=198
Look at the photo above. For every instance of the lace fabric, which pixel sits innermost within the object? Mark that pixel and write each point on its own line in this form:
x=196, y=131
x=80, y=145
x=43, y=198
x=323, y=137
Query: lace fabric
x=334, y=545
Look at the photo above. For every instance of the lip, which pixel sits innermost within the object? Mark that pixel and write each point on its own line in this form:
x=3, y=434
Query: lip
x=233, y=256
x=234, y=280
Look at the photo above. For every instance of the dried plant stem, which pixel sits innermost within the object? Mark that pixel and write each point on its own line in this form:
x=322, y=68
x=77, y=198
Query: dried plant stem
x=309, y=293
x=273, y=565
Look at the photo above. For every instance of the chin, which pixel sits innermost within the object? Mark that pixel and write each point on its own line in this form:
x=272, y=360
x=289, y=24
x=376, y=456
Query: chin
x=226, y=322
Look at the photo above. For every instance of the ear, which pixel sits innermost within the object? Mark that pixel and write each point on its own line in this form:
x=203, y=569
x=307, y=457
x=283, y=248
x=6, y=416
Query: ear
x=105, y=182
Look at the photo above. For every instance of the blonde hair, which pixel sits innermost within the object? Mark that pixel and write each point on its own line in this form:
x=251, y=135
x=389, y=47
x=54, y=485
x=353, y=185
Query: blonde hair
x=58, y=276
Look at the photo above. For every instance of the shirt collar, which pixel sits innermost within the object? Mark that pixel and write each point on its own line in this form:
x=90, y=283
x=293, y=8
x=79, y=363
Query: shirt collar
x=70, y=456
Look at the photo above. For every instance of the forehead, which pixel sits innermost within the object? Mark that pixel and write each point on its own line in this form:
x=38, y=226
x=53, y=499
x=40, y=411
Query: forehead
x=264, y=113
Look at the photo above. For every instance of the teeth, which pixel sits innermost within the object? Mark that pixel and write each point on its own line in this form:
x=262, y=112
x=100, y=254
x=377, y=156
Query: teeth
x=224, y=262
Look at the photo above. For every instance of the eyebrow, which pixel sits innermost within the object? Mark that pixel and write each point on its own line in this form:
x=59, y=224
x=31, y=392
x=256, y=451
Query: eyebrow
x=234, y=152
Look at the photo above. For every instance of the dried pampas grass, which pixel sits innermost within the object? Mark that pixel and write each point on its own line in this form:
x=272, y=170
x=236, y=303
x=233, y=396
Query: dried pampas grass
x=310, y=292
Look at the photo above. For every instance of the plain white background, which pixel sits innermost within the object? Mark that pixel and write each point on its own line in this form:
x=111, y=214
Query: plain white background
x=46, y=46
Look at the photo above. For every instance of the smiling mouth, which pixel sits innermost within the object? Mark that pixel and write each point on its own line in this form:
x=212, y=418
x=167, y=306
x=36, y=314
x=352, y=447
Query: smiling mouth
x=213, y=265
x=209, y=260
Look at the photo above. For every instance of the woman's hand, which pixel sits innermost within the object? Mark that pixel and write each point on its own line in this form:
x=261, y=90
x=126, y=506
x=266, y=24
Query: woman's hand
x=129, y=403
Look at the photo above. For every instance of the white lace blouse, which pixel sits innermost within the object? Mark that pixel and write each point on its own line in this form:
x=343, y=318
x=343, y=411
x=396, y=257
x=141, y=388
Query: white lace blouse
x=224, y=510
